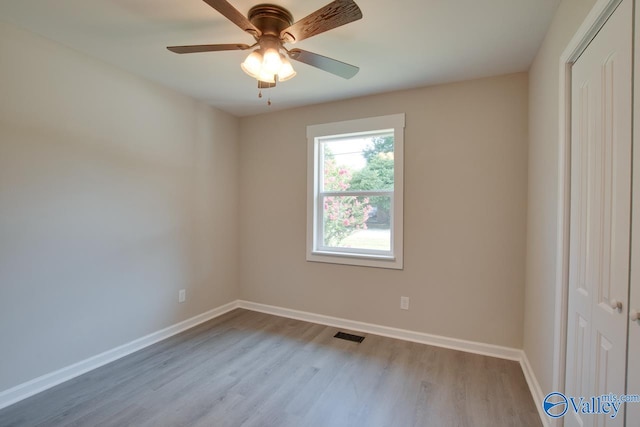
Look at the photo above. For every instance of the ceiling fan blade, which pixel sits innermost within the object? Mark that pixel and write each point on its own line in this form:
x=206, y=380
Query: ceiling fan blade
x=329, y=65
x=333, y=15
x=233, y=15
x=207, y=48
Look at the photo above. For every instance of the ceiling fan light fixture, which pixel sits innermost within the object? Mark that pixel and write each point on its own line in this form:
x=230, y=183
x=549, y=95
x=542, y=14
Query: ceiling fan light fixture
x=268, y=66
x=252, y=65
x=286, y=71
x=271, y=62
x=266, y=77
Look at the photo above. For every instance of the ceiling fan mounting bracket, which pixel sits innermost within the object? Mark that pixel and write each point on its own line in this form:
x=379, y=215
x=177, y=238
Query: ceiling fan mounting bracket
x=271, y=19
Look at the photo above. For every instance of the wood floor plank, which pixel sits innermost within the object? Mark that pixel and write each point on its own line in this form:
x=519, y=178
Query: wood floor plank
x=251, y=369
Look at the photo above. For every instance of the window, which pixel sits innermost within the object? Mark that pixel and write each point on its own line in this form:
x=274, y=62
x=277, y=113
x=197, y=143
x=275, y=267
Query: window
x=355, y=188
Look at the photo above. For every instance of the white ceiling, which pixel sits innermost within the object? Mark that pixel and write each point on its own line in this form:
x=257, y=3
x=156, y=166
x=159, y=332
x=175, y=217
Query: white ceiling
x=397, y=45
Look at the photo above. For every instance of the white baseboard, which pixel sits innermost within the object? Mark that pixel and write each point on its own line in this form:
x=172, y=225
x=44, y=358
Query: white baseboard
x=44, y=382
x=534, y=387
x=386, y=331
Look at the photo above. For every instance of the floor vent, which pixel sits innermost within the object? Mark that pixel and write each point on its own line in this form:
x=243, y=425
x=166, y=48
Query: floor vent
x=349, y=337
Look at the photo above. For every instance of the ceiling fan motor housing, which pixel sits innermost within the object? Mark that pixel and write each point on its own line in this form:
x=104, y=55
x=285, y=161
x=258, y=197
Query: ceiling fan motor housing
x=270, y=19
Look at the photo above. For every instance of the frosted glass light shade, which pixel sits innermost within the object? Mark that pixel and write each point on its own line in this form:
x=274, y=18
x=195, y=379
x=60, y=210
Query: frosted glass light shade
x=253, y=64
x=271, y=62
x=286, y=71
x=266, y=77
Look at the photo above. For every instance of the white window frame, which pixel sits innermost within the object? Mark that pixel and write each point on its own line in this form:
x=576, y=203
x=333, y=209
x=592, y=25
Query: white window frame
x=368, y=258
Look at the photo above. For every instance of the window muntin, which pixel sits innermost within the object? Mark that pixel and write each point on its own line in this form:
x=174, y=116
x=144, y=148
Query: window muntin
x=355, y=192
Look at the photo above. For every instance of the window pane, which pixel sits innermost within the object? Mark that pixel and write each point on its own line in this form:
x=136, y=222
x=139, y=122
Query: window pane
x=358, y=163
x=357, y=222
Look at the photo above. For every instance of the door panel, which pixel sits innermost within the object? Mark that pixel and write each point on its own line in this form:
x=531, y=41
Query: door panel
x=633, y=367
x=600, y=217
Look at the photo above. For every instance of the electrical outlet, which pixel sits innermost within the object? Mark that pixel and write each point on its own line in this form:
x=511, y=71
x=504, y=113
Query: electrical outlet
x=404, y=303
x=182, y=295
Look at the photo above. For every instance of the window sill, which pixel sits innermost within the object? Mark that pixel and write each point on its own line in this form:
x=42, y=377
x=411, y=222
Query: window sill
x=377, y=261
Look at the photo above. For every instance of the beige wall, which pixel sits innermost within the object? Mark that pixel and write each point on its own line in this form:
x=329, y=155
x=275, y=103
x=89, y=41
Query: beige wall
x=465, y=213
x=114, y=194
x=543, y=189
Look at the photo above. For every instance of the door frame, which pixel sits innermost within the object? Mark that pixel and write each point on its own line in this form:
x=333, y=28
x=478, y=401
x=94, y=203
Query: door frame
x=592, y=24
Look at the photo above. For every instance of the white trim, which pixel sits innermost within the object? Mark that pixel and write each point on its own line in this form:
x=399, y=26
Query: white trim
x=387, y=331
x=365, y=125
x=534, y=388
x=354, y=253
x=44, y=382
x=596, y=18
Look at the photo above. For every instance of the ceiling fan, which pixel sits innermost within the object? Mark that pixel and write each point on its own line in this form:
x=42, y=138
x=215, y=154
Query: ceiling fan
x=272, y=26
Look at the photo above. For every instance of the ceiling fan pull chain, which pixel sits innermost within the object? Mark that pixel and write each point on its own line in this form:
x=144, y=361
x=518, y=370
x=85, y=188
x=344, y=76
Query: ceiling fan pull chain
x=269, y=98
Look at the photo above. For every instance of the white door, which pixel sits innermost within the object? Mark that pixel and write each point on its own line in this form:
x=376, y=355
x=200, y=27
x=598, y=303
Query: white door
x=600, y=219
x=633, y=353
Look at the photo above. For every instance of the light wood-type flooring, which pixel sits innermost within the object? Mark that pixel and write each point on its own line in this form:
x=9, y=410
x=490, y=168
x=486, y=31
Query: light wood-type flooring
x=253, y=369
